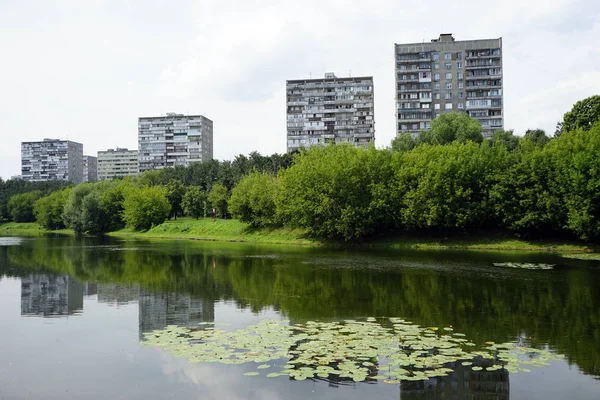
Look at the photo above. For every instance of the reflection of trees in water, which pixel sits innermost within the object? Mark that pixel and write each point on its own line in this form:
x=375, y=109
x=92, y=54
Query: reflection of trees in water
x=557, y=307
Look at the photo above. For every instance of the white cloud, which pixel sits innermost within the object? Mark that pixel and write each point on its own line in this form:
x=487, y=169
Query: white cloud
x=87, y=70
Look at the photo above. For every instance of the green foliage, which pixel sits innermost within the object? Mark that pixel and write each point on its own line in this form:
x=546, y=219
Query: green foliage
x=48, y=210
x=20, y=206
x=403, y=142
x=537, y=136
x=218, y=198
x=506, y=138
x=18, y=186
x=194, y=201
x=73, y=212
x=146, y=206
x=175, y=192
x=583, y=115
x=337, y=192
x=446, y=186
x=112, y=203
x=253, y=200
x=451, y=127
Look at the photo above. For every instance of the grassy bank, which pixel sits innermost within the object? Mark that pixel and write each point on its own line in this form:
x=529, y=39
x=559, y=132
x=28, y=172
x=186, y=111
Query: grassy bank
x=28, y=229
x=221, y=230
x=236, y=231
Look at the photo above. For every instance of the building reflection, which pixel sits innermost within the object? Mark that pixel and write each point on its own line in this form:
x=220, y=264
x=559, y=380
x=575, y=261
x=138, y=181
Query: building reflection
x=463, y=383
x=158, y=310
x=48, y=295
x=118, y=294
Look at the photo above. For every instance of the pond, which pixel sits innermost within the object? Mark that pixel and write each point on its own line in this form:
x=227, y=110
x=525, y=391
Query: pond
x=103, y=318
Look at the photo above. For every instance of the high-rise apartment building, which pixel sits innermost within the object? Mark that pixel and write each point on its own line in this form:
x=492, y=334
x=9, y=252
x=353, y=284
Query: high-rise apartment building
x=90, y=169
x=174, y=139
x=330, y=110
x=52, y=160
x=117, y=163
x=447, y=75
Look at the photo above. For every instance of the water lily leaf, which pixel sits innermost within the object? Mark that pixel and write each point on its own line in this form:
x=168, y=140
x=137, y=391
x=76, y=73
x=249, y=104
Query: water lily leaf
x=251, y=374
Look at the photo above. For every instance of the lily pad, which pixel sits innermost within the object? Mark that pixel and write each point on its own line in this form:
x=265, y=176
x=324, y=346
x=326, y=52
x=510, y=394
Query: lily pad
x=531, y=266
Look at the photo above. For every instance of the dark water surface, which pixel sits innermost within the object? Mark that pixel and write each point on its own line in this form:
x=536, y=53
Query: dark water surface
x=73, y=312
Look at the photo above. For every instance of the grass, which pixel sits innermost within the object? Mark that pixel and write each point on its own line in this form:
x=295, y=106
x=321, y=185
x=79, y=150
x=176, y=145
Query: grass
x=28, y=229
x=236, y=231
x=221, y=230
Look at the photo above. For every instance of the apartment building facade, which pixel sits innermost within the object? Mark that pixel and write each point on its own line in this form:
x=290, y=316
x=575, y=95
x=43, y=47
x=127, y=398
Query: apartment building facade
x=330, y=110
x=90, y=169
x=117, y=163
x=447, y=75
x=174, y=139
x=52, y=160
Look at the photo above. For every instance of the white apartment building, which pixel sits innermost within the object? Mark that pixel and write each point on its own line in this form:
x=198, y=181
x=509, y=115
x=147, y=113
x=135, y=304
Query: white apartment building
x=52, y=160
x=330, y=110
x=117, y=163
x=174, y=139
x=448, y=75
x=90, y=169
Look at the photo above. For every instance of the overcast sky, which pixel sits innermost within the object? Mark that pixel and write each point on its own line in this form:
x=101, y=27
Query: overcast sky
x=85, y=70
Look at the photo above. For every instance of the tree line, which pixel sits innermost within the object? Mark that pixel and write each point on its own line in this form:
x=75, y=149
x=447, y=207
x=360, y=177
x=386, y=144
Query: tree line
x=447, y=179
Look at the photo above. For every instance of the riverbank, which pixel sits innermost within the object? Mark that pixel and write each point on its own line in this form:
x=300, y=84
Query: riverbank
x=235, y=231
x=29, y=229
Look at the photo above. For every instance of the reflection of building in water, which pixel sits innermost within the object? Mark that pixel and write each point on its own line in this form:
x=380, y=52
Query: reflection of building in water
x=50, y=295
x=464, y=383
x=90, y=289
x=157, y=310
x=117, y=294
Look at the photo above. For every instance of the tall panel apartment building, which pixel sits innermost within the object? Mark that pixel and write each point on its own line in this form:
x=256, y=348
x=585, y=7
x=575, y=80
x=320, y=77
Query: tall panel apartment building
x=330, y=110
x=52, y=160
x=174, y=139
x=90, y=169
x=447, y=75
x=117, y=163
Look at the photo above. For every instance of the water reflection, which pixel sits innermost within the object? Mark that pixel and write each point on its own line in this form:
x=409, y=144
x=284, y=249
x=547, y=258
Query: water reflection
x=47, y=295
x=175, y=283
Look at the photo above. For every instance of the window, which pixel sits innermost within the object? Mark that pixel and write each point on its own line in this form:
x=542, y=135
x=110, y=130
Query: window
x=448, y=86
x=437, y=86
x=459, y=65
x=448, y=75
x=447, y=56
x=436, y=66
x=436, y=77
x=425, y=105
x=459, y=56
x=461, y=106
x=437, y=96
x=460, y=75
x=437, y=106
x=448, y=96
x=448, y=106
x=436, y=56
x=460, y=85
x=414, y=67
x=460, y=95
x=448, y=65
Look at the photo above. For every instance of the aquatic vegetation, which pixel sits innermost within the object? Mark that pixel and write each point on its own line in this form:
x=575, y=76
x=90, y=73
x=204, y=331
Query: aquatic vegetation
x=387, y=349
x=583, y=256
x=525, y=266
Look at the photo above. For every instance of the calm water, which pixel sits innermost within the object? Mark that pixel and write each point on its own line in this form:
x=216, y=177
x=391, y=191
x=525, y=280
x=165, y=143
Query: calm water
x=73, y=311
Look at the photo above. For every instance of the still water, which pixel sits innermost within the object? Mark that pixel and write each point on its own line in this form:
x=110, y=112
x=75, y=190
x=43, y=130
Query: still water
x=73, y=313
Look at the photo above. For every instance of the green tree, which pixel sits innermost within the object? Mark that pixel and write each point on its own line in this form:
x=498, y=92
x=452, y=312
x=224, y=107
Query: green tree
x=583, y=115
x=145, y=207
x=194, y=201
x=253, y=200
x=218, y=198
x=403, y=142
x=451, y=127
x=537, y=136
x=112, y=202
x=48, y=210
x=506, y=138
x=175, y=192
x=20, y=206
x=73, y=212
